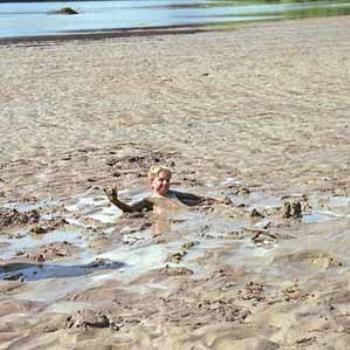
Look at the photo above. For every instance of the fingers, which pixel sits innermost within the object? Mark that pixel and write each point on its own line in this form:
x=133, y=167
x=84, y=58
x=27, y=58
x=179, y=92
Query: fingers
x=113, y=192
x=107, y=191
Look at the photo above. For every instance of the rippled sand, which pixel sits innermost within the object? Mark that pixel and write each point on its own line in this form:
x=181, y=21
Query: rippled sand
x=257, y=118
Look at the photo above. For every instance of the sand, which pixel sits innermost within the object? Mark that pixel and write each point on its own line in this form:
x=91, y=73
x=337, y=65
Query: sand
x=257, y=117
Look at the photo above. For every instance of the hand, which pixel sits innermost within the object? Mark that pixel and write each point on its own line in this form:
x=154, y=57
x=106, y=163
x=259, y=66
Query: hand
x=111, y=193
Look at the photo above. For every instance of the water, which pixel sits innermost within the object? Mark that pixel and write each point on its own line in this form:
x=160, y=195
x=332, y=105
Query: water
x=33, y=18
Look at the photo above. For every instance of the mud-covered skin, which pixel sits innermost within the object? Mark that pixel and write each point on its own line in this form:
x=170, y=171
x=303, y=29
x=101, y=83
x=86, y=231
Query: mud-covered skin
x=149, y=203
x=143, y=205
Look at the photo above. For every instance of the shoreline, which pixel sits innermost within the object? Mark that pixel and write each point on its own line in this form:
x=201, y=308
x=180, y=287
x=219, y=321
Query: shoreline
x=108, y=34
x=102, y=34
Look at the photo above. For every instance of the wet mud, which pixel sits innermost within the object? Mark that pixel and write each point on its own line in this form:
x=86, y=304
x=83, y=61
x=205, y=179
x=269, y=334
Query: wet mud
x=239, y=262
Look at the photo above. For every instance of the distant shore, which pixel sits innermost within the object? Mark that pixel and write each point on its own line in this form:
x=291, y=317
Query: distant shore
x=10, y=1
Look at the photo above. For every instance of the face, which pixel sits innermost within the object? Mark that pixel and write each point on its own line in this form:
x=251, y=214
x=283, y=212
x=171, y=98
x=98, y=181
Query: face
x=161, y=183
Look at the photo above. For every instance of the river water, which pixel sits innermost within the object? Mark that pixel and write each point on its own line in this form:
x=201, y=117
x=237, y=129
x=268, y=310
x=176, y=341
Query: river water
x=18, y=19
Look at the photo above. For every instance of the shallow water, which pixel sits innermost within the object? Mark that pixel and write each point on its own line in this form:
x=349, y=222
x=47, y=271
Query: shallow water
x=33, y=18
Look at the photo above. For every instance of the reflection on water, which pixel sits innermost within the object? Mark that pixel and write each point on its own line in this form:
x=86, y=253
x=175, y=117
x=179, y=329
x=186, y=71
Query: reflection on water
x=33, y=18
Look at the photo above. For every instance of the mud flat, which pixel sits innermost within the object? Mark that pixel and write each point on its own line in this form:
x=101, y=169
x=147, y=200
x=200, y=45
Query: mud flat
x=257, y=118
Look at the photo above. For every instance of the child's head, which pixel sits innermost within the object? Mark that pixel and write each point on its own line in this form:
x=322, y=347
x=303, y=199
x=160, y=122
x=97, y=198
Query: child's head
x=159, y=177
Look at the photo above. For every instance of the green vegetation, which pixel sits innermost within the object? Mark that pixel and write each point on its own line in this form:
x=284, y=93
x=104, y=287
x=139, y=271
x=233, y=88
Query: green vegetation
x=318, y=12
x=319, y=8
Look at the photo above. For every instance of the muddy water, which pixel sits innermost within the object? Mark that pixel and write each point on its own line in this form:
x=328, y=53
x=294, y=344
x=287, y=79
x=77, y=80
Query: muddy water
x=245, y=249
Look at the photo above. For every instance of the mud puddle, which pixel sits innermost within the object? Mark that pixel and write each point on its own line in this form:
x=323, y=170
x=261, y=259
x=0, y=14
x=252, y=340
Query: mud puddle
x=186, y=238
x=251, y=250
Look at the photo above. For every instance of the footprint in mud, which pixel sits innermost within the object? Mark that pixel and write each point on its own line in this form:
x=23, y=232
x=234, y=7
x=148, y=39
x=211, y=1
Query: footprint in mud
x=141, y=160
x=294, y=293
x=178, y=256
x=160, y=274
x=222, y=310
x=319, y=259
x=47, y=226
x=252, y=291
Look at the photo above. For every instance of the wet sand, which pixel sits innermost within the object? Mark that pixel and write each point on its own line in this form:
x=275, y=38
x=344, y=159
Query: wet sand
x=108, y=33
x=257, y=118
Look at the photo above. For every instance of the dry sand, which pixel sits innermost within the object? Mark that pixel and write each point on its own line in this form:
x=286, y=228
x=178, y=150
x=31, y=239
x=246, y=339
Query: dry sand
x=258, y=116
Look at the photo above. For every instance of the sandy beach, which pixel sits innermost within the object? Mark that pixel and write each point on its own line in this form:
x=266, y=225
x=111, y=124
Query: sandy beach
x=257, y=117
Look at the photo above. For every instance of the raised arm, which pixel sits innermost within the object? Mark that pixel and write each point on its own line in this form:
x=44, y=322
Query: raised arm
x=112, y=195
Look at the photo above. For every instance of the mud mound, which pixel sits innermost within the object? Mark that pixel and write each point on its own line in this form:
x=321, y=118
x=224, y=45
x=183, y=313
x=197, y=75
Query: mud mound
x=87, y=319
x=50, y=251
x=142, y=160
x=9, y=217
x=47, y=226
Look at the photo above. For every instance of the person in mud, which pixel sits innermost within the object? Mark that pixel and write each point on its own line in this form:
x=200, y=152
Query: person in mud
x=159, y=177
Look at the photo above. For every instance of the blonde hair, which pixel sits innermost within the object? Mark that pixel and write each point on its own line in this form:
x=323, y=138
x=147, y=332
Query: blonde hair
x=156, y=169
